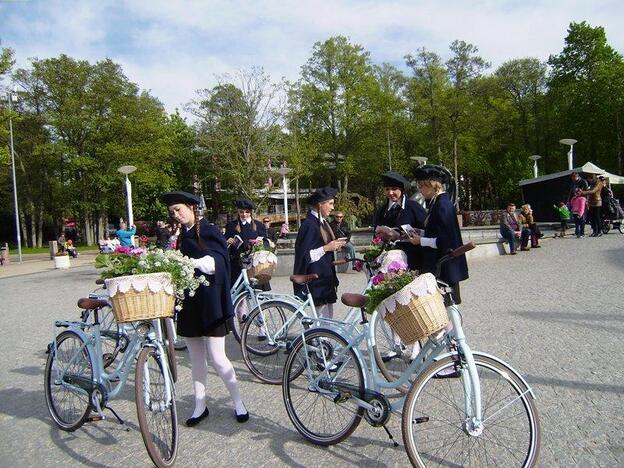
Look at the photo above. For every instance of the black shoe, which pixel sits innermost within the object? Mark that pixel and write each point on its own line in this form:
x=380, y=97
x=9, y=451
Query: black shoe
x=390, y=356
x=190, y=422
x=241, y=418
x=262, y=338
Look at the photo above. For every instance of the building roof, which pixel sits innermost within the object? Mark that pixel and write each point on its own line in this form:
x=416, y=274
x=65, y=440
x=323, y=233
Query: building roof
x=587, y=168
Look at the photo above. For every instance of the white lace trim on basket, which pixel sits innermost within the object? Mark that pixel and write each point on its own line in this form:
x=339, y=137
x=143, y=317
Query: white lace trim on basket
x=263, y=256
x=390, y=256
x=422, y=285
x=156, y=282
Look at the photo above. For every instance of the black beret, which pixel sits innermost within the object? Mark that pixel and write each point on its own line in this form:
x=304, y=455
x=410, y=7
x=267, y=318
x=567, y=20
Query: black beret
x=244, y=204
x=321, y=195
x=394, y=179
x=432, y=172
x=171, y=198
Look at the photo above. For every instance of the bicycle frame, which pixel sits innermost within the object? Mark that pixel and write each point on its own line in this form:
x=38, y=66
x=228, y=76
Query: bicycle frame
x=432, y=351
x=106, y=382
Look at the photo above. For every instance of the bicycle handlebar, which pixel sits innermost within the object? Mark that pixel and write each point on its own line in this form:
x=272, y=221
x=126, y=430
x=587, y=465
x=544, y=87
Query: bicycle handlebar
x=461, y=250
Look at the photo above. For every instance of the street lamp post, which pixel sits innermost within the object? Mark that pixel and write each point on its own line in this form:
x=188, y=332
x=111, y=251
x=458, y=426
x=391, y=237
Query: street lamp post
x=17, y=223
x=128, y=170
x=420, y=159
x=535, y=157
x=570, y=142
x=284, y=172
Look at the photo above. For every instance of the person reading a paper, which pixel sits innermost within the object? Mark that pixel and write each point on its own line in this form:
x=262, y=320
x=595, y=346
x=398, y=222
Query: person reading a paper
x=397, y=211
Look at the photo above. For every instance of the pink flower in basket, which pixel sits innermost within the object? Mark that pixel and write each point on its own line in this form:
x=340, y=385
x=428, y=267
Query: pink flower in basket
x=377, y=240
x=396, y=266
x=253, y=241
x=122, y=249
x=358, y=265
x=137, y=252
x=378, y=279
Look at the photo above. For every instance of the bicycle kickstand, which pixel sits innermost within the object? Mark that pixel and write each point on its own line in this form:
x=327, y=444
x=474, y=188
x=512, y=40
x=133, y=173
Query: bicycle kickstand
x=121, y=421
x=394, y=442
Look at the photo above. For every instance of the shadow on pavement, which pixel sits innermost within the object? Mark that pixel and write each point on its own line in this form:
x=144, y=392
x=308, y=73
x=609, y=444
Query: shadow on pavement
x=575, y=384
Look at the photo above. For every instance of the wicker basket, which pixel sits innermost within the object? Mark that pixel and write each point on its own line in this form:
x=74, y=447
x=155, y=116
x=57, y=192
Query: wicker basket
x=262, y=272
x=421, y=317
x=141, y=297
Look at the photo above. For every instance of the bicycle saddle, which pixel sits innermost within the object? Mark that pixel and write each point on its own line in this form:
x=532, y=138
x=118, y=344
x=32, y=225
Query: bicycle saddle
x=354, y=300
x=303, y=279
x=91, y=304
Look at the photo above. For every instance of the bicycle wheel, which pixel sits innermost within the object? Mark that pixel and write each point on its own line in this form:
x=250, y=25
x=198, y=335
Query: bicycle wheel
x=324, y=412
x=391, y=355
x=157, y=414
x=243, y=305
x=264, y=344
x=169, y=341
x=606, y=226
x=68, y=376
x=621, y=227
x=435, y=425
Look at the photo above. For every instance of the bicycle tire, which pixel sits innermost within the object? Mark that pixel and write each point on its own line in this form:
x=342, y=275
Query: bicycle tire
x=265, y=359
x=238, y=322
x=69, y=410
x=429, y=396
x=621, y=227
x=296, y=389
x=606, y=226
x=161, y=439
x=168, y=339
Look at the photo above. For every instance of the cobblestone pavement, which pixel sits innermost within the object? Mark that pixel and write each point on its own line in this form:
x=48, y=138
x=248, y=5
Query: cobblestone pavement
x=555, y=314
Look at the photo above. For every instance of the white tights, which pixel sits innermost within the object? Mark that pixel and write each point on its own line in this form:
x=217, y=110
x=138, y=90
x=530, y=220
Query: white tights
x=200, y=348
x=326, y=311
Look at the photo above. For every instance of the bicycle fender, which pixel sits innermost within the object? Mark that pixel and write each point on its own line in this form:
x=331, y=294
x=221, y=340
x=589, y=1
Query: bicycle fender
x=500, y=361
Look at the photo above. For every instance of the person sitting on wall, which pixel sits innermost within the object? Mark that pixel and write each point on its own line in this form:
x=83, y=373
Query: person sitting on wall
x=511, y=229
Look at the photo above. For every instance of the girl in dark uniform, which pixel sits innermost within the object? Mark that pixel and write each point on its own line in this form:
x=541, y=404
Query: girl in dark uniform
x=441, y=229
x=314, y=252
x=399, y=210
x=238, y=234
x=205, y=316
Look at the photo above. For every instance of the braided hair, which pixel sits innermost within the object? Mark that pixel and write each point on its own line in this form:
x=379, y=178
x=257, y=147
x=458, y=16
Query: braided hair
x=239, y=226
x=196, y=227
x=324, y=234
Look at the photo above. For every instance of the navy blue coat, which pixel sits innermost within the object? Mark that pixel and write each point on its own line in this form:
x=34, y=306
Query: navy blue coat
x=309, y=238
x=442, y=224
x=414, y=215
x=246, y=233
x=211, y=306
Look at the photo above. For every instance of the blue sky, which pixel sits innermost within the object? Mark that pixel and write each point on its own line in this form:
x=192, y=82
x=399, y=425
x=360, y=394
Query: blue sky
x=173, y=48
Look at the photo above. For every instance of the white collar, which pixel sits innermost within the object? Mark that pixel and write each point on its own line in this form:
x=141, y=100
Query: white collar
x=401, y=202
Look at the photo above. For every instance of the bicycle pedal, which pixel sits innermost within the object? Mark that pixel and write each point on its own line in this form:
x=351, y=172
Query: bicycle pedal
x=95, y=418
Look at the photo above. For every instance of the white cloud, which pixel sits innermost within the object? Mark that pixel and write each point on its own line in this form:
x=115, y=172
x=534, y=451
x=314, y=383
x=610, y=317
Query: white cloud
x=176, y=47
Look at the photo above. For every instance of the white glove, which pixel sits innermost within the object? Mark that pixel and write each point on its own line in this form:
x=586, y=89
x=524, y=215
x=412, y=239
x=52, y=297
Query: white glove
x=205, y=264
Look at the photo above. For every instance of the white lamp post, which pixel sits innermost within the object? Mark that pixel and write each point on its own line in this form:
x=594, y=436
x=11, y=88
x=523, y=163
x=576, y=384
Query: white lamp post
x=535, y=157
x=420, y=159
x=284, y=172
x=17, y=224
x=569, y=141
x=128, y=170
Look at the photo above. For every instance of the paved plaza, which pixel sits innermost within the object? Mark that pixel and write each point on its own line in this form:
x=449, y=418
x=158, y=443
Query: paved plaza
x=555, y=314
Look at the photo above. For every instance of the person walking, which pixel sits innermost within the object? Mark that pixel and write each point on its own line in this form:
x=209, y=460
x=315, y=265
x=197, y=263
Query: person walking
x=579, y=205
x=125, y=235
x=314, y=252
x=205, y=318
x=594, y=202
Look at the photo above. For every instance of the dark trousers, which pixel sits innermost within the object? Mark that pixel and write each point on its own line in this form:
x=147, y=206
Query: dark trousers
x=524, y=237
x=594, y=219
x=509, y=236
x=579, y=225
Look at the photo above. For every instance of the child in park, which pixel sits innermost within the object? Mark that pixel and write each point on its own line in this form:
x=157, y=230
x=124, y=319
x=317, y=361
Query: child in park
x=564, y=214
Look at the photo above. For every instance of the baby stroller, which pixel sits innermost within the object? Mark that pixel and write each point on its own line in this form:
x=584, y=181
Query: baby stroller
x=612, y=215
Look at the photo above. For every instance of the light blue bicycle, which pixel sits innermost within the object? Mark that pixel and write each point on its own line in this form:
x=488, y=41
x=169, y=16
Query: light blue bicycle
x=464, y=408
x=77, y=382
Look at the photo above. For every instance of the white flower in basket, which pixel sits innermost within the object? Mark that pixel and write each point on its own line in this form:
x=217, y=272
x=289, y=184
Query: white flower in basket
x=144, y=284
x=417, y=310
